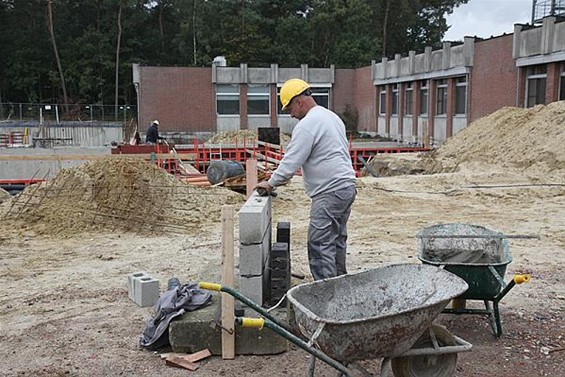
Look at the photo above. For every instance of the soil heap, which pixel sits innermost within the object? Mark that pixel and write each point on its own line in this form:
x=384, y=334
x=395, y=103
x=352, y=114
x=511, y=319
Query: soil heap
x=4, y=195
x=239, y=137
x=528, y=139
x=119, y=194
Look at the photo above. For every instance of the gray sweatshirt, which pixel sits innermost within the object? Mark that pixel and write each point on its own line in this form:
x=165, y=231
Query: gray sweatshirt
x=319, y=146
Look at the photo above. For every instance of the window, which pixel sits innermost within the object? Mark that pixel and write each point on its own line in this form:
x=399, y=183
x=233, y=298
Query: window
x=227, y=99
x=441, y=101
x=562, y=84
x=423, y=98
x=535, y=85
x=409, y=99
x=382, y=100
x=395, y=99
x=460, y=95
x=258, y=100
x=320, y=95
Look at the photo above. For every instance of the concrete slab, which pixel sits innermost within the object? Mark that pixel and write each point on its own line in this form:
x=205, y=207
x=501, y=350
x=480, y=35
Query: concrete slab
x=192, y=333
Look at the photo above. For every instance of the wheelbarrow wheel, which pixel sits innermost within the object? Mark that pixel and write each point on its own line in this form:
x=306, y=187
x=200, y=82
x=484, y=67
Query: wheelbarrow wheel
x=441, y=365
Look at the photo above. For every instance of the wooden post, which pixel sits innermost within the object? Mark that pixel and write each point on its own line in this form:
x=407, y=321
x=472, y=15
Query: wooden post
x=228, y=318
x=251, y=175
x=426, y=134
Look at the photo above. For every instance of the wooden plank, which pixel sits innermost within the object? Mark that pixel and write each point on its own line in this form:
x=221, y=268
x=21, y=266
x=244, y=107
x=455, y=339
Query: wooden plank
x=269, y=145
x=197, y=356
x=179, y=362
x=263, y=157
x=85, y=157
x=228, y=318
x=250, y=176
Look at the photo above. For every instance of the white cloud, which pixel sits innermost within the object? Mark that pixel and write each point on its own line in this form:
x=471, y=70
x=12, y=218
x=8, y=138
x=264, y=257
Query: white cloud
x=486, y=18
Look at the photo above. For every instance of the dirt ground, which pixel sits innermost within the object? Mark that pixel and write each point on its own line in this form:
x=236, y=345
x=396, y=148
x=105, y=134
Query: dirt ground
x=64, y=306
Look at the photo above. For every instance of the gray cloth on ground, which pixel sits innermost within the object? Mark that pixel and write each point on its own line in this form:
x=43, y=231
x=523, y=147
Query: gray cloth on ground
x=173, y=303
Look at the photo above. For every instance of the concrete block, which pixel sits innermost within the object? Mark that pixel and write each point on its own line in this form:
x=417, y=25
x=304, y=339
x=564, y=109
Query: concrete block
x=283, y=232
x=254, y=220
x=253, y=258
x=146, y=291
x=254, y=288
x=131, y=286
x=192, y=333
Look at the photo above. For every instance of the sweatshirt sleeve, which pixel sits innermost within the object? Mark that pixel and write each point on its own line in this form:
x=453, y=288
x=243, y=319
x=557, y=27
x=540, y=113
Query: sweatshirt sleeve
x=297, y=153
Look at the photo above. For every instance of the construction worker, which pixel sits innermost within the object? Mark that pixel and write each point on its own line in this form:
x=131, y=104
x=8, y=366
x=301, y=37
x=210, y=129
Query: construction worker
x=152, y=134
x=319, y=147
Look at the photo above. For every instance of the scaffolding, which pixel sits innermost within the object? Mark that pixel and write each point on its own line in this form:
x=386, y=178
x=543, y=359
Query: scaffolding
x=544, y=8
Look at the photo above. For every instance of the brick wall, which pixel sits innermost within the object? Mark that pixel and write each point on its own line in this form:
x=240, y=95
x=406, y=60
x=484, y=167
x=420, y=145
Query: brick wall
x=493, y=77
x=342, y=91
x=365, y=100
x=182, y=98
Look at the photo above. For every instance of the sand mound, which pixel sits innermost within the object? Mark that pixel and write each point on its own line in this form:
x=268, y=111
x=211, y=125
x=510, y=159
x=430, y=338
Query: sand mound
x=119, y=194
x=528, y=139
x=4, y=195
x=512, y=137
x=239, y=137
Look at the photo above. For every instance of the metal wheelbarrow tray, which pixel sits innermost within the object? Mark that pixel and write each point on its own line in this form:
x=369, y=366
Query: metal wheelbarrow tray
x=476, y=254
x=373, y=314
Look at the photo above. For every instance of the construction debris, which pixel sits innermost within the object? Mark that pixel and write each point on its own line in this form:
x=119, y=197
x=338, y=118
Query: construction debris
x=118, y=194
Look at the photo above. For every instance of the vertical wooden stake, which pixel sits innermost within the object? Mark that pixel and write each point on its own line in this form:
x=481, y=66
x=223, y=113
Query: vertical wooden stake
x=426, y=134
x=228, y=318
x=250, y=175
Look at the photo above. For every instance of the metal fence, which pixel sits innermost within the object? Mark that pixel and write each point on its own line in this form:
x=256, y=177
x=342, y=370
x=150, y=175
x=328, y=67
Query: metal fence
x=56, y=112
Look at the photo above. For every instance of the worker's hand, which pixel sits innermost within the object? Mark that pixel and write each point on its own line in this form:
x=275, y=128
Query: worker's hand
x=264, y=188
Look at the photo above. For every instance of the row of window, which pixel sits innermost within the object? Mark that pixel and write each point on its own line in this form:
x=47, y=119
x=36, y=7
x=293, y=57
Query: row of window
x=258, y=99
x=423, y=103
x=536, y=81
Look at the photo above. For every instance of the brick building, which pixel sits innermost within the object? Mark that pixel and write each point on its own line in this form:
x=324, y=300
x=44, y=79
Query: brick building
x=413, y=99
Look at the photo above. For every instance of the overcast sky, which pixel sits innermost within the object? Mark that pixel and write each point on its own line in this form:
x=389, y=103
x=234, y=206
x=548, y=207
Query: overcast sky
x=486, y=18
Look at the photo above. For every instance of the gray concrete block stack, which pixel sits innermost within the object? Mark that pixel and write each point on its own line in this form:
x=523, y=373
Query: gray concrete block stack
x=254, y=250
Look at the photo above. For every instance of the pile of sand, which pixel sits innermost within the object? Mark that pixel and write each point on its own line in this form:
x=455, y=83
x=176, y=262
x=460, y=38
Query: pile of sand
x=528, y=139
x=240, y=137
x=4, y=195
x=512, y=137
x=126, y=194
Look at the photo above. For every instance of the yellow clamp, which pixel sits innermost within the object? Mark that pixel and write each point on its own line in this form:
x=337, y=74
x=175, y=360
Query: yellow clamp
x=519, y=279
x=257, y=323
x=210, y=286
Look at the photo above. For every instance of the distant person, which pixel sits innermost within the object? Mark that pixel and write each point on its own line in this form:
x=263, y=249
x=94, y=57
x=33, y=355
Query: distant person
x=152, y=135
x=320, y=148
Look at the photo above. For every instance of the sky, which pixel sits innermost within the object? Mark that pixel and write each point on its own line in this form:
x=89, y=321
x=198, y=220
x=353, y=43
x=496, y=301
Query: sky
x=486, y=18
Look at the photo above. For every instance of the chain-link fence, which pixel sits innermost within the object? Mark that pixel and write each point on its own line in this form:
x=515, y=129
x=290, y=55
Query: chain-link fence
x=57, y=112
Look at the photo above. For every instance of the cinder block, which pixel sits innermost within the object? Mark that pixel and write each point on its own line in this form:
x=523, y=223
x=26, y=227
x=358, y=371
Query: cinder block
x=283, y=232
x=254, y=220
x=254, y=258
x=131, y=286
x=253, y=287
x=146, y=291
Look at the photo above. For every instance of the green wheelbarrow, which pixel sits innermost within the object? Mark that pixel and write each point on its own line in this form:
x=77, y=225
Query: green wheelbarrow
x=387, y=313
x=479, y=256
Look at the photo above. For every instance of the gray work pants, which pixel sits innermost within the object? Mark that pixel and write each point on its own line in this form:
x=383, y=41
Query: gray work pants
x=327, y=233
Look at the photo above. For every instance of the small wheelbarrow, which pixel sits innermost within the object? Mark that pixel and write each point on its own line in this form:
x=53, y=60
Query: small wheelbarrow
x=382, y=313
x=479, y=256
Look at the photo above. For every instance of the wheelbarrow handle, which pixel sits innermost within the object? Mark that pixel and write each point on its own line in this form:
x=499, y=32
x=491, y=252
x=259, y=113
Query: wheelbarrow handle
x=210, y=286
x=519, y=279
x=256, y=323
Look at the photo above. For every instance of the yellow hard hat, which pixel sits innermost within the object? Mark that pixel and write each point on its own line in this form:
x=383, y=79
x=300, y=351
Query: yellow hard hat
x=290, y=89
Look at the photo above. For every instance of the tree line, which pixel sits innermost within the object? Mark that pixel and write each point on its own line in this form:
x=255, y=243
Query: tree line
x=81, y=51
